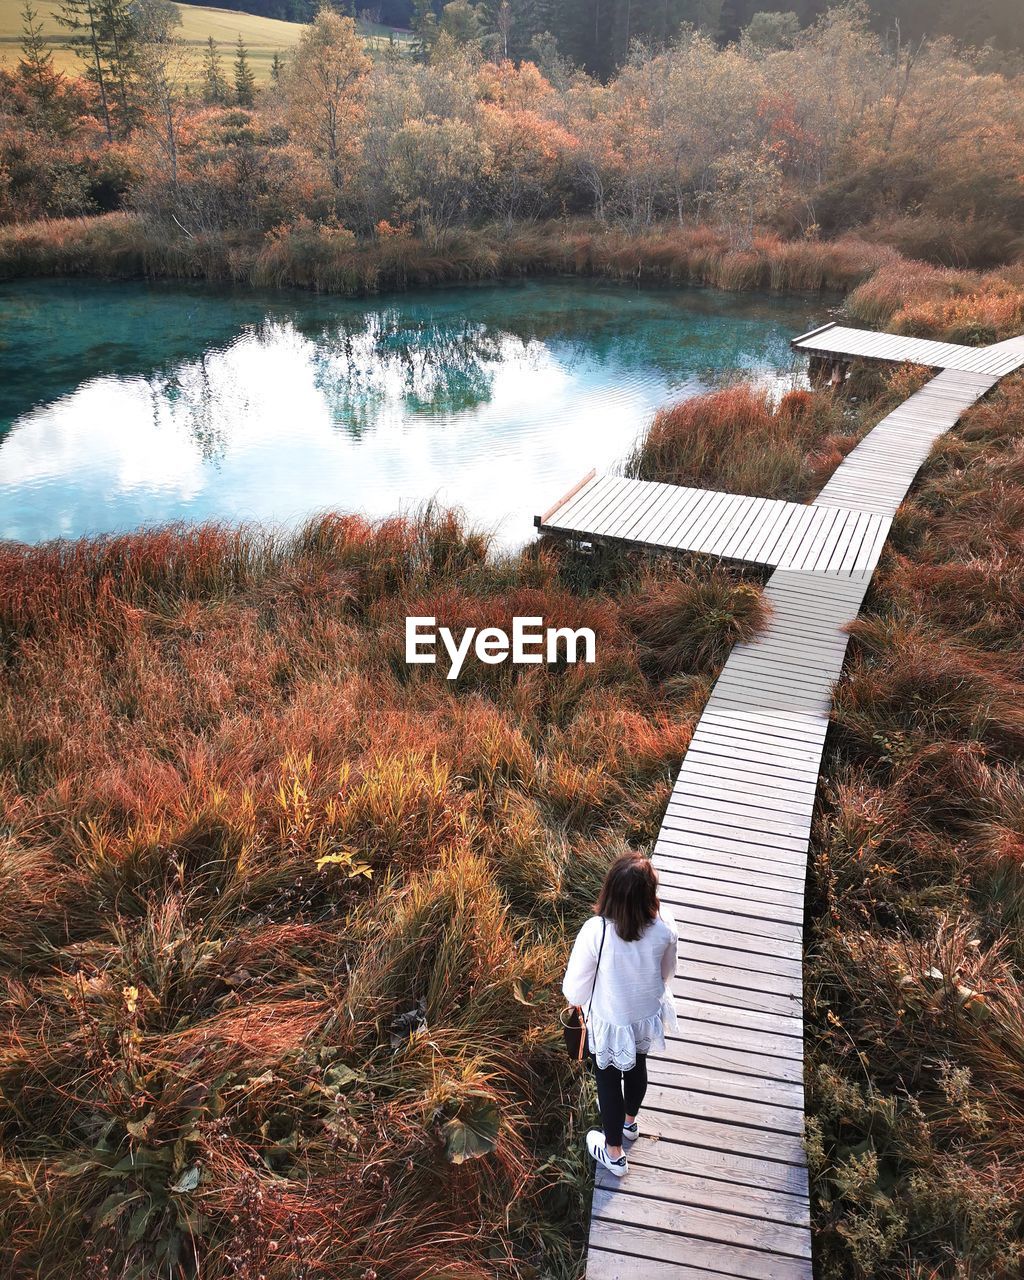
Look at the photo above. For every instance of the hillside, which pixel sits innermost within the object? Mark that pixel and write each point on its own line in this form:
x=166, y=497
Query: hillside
x=263, y=36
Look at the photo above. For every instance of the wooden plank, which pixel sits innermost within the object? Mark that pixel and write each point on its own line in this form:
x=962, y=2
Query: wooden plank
x=732, y=1084
x=761, y=789
x=727, y=947
x=784, y=851
x=723, y=917
x=742, y=899
x=604, y=1265
x=712, y=1049
x=733, y=815
x=749, y=903
x=589, y=502
x=675, y=847
x=672, y=1102
x=709, y=1193
x=763, y=857
x=727, y=965
x=708, y=867
x=706, y=1224
x=721, y=1135
x=726, y=1035
x=772, y=1027
x=746, y=1263
x=742, y=1171
x=752, y=753
x=738, y=997
x=569, y=494
x=709, y=929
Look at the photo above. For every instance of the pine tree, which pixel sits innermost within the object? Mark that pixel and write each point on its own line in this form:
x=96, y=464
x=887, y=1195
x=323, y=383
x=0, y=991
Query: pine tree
x=425, y=27
x=215, y=86
x=118, y=25
x=245, y=81
x=83, y=19
x=36, y=61
x=276, y=67
x=42, y=81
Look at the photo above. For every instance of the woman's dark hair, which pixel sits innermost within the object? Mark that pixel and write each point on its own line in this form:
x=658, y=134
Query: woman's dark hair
x=629, y=895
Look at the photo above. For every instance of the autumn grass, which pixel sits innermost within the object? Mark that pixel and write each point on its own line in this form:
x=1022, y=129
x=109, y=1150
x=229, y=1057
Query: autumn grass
x=742, y=441
x=305, y=256
x=933, y=302
x=916, y=1017
x=283, y=918
x=915, y=937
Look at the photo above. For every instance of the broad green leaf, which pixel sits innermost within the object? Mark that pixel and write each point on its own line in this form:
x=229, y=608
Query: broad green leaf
x=112, y=1207
x=137, y=1226
x=473, y=1131
x=523, y=989
x=341, y=1076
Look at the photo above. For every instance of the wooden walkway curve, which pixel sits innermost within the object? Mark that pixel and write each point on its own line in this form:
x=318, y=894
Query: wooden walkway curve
x=866, y=344
x=718, y=1183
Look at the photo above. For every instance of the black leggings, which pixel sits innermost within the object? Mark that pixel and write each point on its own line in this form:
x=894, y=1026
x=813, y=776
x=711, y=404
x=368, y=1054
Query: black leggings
x=619, y=1094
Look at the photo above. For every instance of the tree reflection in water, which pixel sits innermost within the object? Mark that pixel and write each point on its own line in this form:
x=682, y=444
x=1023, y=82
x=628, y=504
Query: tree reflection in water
x=161, y=403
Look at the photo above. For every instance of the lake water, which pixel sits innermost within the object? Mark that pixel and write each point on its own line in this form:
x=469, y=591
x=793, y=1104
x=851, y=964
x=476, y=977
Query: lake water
x=131, y=404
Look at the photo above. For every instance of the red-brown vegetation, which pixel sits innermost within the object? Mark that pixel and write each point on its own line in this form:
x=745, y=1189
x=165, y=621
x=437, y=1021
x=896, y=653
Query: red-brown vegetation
x=283, y=917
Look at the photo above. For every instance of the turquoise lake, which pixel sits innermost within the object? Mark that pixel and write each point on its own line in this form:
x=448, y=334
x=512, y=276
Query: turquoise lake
x=135, y=404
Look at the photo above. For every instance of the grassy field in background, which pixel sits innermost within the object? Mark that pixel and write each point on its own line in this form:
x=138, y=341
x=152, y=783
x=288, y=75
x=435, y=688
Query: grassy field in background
x=263, y=36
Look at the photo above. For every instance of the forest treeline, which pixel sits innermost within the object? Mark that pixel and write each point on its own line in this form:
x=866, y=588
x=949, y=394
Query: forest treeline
x=597, y=32
x=807, y=133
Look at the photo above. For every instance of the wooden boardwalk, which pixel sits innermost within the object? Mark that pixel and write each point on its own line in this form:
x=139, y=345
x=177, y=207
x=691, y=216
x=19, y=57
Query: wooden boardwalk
x=866, y=344
x=669, y=517
x=718, y=1186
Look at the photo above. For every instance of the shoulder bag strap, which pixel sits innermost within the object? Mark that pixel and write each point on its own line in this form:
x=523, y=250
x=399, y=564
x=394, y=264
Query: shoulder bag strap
x=600, y=950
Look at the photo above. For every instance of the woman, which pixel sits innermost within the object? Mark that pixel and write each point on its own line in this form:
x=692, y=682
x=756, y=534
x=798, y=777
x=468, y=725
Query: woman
x=624, y=995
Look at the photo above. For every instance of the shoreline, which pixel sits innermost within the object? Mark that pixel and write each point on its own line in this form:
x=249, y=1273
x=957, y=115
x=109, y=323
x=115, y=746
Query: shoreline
x=120, y=247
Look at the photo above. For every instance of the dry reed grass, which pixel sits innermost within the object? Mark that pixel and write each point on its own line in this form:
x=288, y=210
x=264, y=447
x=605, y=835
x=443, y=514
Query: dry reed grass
x=283, y=918
x=124, y=246
x=917, y=947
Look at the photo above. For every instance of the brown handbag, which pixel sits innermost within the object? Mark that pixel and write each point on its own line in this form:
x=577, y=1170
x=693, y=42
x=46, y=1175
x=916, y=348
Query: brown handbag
x=574, y=1025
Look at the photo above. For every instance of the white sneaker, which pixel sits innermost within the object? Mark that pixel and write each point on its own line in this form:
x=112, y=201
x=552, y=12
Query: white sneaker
x=631, y=1131
x=596, y=1147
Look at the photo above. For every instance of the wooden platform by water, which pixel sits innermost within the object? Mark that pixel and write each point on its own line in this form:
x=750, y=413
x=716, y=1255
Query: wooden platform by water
x=718, y=1181
x=866, y=344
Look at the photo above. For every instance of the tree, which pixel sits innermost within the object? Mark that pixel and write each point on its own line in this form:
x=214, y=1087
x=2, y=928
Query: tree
x=771, y=31
x=36, y=61
x=276, y=67
x=120, y=22
x=215, y=85
x=323, y=88
x=525, y=155
x=748, y=190
x=45, y=85
x=424, y=26
x=459, y=21
x=245, y=81
x=438, y=165
x=503, y=26
x=165, y=63
x=82, y=19
x=105, y=34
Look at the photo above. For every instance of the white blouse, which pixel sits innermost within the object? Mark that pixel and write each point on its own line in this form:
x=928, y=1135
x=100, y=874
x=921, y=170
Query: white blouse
x=633, y=1004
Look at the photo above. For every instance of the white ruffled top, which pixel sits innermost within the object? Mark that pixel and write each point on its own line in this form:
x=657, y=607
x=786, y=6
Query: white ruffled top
x=632, y=1005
